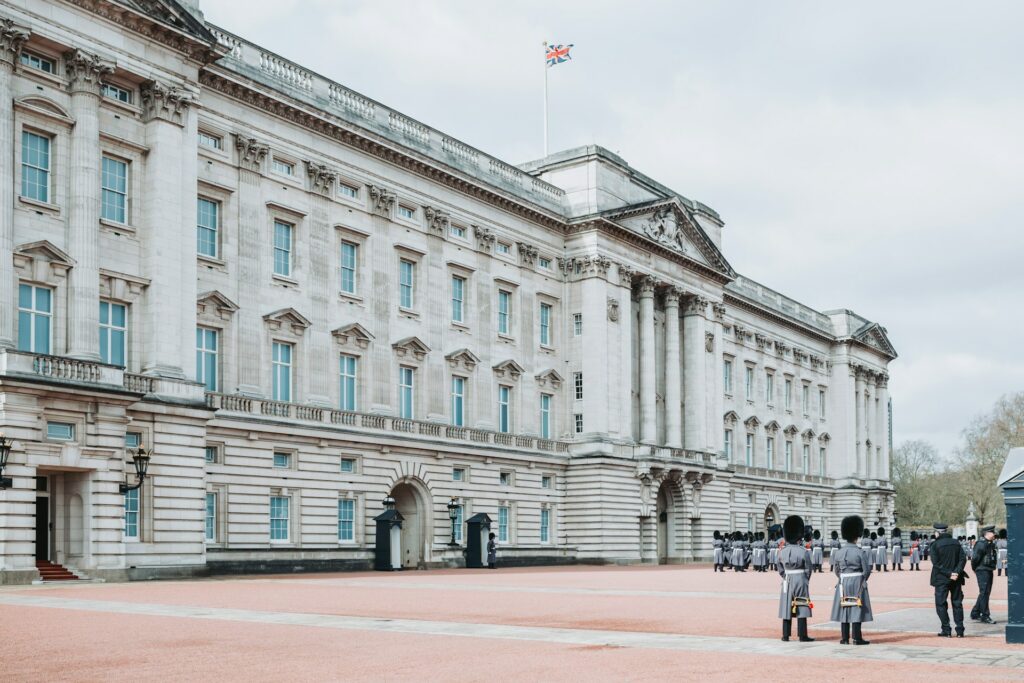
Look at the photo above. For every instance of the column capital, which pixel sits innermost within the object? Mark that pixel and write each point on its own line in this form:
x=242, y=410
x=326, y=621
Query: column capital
x=695, y=305
x=164, y=102
x=647, y=285
x=86, y=71
x=719, y=310
x=625, y=275
x=882, y=380
x=251, y=151
x=12, y=37
x=672, y=296
x=321, y=177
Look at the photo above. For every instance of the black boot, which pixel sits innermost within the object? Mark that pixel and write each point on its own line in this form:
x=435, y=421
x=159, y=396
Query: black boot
x=787, y=629
x=801, y=631
x=858, y=637
x=844, y=630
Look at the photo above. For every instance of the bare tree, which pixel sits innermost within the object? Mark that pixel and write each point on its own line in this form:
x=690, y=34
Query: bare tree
x=913, y=467
x=987, y=440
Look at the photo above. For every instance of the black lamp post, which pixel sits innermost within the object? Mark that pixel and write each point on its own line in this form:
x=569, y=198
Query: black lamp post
x=895, y=516
x=140, y=458
x=5, y=453
x=388, y=503
x=879, y=513
x=453, y=514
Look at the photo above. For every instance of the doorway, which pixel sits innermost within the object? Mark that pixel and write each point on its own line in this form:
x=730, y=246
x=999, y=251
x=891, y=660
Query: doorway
x=771, y=516
x=43, y=524
x=408, y=501
x=666, y=523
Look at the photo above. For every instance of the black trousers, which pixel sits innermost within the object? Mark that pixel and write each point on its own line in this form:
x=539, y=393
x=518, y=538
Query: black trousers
x=955, y=593
x=980, y=610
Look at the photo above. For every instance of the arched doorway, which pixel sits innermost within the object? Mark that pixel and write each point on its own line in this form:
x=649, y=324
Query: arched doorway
x=771, y=516
x=412, y=505
x=669, y=515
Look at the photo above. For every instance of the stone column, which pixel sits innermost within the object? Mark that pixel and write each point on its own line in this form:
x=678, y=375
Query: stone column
x=11, y=38
x=626, y=321
x=321, y=364
x=716, y=404
x=385, y=275
x=858, y=399
x=438, y=314
x=673, y=375
x=85, y=72
x=866, y=435
x=595, y=346
x=695, y=397
x=251, y=355
x=648, y=396
x=882, y=428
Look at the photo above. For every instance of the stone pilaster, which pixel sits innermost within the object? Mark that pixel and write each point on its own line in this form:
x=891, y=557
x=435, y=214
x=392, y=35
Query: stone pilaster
x=869, y=417
x=385, y=277
x=85, y=72
x=12, y=36
x=627, y=320
x=648, y=388
x=673, y=375
x=438, y=314
x=716, y=403
x=321, y=363
x=882, y=426
x=594, y=353
x=858, y=433
x=695, y=374
x=251, y=355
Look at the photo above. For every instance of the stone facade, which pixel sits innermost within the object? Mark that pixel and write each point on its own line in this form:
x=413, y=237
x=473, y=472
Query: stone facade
x=307, y=301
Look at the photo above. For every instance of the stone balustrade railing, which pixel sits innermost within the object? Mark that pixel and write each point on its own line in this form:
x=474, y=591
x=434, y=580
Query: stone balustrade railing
x=780, y=474
x=231, y=403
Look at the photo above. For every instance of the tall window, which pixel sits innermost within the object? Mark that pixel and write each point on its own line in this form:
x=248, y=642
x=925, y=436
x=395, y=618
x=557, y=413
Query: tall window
x=545, y=324
x=806, y=459
x=769, y=387
x=406, y=377
x=504, y=410
x=406, y=283
x=458, y=297
x=282, y=371
x=131, y=515
x=769, y=453
x=577, y=381
x=113, y=333
x=821, y=461
x=459, y=521
x=283, y=248
x=349, y=260
x=788, y=393
x=503, y=514
x=577, y=324
x=545, y=416
x=727, y=442
x=114, y=183
x=35, y=310
x=348, y=382
x=727, y=376
x=504, y=309
x=206, y=357
x=789, y=456
x=805, y=399
x=458, y=401
x=749, y=453
x=545, y=525
x=279, y=518
x=577, y=419
x=821, y=403
x=211, y=517
x=346, y=520
x=748, y=383
x=207, y=226
x=35, y=166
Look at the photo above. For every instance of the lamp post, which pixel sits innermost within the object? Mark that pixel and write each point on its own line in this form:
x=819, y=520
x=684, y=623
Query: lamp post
x=5, y=453
x=140, y=458
x=453, y=514
x=388, y=503
x=895, y=517
x=878, y=513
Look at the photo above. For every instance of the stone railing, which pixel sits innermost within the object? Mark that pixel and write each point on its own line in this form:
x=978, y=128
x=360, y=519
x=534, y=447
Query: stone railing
x=780, y=474
x=140, y=383
x=231, y=403
x=690, y=456
x=59, y=368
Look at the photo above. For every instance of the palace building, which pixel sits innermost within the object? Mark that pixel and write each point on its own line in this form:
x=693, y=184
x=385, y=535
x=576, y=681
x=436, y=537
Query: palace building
x=299, y=301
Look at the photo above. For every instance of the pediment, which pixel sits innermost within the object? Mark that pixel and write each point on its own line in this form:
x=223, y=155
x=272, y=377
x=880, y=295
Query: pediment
x=752, y=422
x=508, y=368
x=731, y=417
x=824, y=437
x=671, y=225
x=44, y=106
x=808, y=434
x=173, y=14
x=462, y=358
x=791, y=431
x=772, y=427
x=549, y=377
x=46, y=251
x=353, y=333
x=287, y=318
x=411, y=346
x=215, y=303
x=874, y=336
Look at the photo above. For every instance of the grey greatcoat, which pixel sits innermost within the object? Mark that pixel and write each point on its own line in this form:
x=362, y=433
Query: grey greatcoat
x=773, y=552
x=882, y=550
x=865, y=545
x=738, y=557
x=915, y=552
x=817, y=551
x=758, y=554
x=795, y=569
x=719, y=546
x=834, y=544
x=492, y=552
x=1001, y=553
x=853, y=567
x=897, y=550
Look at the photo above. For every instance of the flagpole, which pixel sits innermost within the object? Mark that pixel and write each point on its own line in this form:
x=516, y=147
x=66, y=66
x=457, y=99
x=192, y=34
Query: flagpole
x=545, y=62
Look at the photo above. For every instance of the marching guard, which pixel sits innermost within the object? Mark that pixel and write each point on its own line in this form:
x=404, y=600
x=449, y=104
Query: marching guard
x=897, y=549
x=719, y=545
x=773, y=546
x=759, y=554
x=817, y=551
x=833, y=546
x=882, y=550
x=1001, y=552
x=739, y=562
x=915, y=552
x=795, y=570
x=851, y=605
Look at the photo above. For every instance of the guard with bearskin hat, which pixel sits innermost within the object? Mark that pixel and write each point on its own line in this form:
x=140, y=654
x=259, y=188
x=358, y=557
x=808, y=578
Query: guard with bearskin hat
x=719, y=545
x=774, y=531
x=817, y=550
x=833, y=546
x=795, y=569
x=882, y=550
x=759, y=553
x=897, y=549
x=915, y=552
x=851, y=605
x=1001, y=552
x=739, y=562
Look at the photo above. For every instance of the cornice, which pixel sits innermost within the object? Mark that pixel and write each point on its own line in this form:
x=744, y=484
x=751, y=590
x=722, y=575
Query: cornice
x=747, y=305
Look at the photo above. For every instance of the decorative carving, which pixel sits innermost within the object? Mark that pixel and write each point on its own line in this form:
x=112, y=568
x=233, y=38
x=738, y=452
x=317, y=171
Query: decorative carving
x=790, y=431
x=752, y=423
x=295, y=321
x=485, y=239
x=731, y=418
x=761, y=340
x=382, y=201
x=353, y=333
x=808, y=434
x=663, y=227
x=164, y=102
x=719, y=310
x=463, y=358
x=695, y=305
x=772, y=427
x=438, y=221
x=709, y=342
x=411, y=346
x=527, y=253
x=625, y=275
x=508, y=368
x=799, y=355
x=882, y=380
x=590, y=264
x=251, y=152
x=613, y=309
x=321, y=177
x=12, y=37
x=549, y=377
x=697, y=481
x=816, y=361
x=672, y=296
x=215, y=305
x=647, y=285
x=781, y=347
x=86, y=71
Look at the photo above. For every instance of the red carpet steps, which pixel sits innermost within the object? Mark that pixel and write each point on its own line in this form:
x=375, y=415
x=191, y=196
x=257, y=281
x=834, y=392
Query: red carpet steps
x=48, y=571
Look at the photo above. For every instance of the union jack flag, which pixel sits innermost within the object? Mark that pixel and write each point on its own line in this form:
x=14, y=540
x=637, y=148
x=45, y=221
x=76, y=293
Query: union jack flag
x=556, y=54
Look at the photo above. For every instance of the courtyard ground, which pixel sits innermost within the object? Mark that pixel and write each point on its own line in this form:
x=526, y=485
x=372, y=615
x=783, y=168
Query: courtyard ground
x=641, y=623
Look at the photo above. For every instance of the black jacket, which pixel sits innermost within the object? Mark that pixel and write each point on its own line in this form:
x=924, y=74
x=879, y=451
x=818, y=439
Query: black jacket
x=948, y=557
x=984, y=557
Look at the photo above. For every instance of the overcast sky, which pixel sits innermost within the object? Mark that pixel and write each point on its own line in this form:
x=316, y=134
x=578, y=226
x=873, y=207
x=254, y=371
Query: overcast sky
x=863, y=155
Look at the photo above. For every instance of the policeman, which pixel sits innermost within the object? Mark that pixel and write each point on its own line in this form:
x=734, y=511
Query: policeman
x=948, y=579
x=983, y=561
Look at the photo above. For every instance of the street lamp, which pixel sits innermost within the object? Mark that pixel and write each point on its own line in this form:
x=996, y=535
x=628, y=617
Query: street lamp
x=895, y=515
x=5, y=453
x=878, y=512
x=453, y=514
x=388, y=503
x=140, y=458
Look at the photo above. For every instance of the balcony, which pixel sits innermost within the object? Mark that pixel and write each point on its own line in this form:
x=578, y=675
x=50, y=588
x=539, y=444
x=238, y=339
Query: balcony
x=766, y=473
x=59, y=370
x=379, y=424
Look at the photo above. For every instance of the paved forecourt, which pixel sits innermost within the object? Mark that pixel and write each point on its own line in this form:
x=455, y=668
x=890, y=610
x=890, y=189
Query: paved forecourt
x=607, y=623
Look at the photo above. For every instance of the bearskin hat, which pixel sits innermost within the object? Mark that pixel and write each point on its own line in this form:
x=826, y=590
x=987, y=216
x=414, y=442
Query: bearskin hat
x=793, y=528
x=1002, y=534
x=852, y=528
x=913, y=535
x=835, y=534
x=816, y=534
x=897, y=533
x=874, y=536
x=717, y=535
x=881, y=531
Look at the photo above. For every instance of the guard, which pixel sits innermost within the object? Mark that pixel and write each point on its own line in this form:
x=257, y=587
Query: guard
x=719, y=545
x=795, y=570
x=817, y=551
x=983, y=561
x=851, y=605
x=897, y=549
x=948, y=580
x=1001, y=552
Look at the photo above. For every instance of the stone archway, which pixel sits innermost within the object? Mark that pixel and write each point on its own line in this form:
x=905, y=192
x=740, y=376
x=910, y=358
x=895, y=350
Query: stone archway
x=669, y=515
x=413, y=502
x=771, y=516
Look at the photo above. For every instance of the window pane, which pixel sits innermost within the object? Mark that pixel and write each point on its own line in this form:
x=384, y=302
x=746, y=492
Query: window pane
x=282, y=248
x=206, y=227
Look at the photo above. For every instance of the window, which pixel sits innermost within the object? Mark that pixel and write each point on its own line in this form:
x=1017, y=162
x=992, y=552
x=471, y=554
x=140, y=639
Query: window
x=131, y=515
x=349, y=261
x=406, y=377
x=282, y=167
x=346, y=520
x=282, y=460
x=348, y=466
x=458, y=401
x=406, y=212
x=821, y=403
x=283, y=248
x=116, y=93
x=505, y=478
x=789, y=456
x=727, y=441
x=282, y=371
x=206, y=357
x=132, y=439
x=503, y=513
x=38, y=62
x=114, y=184
x=544, y=263
x=578, y=420
x=545, y=324
x=35, y=309
x=769, y=387
x=504, y=309
x=577, y=381
x=347, y=389
x=749, y=452
x=350, y=191
x=545, y=525
x=788, y=393
x=113, y=333
x=35, y=166
x=60, y=431
x=545, y=416
x=207, y=226
x=458, y=296
x=577, y=324
x=210, y=140
x=503, y=248
x=406, y=283
x=211, y=454
x=504, y=415
x=805, y=399
x=211, y=517
x=806, y=459
x=545, y=481
x=279, y=518
x=458, y=474
x=727, y=376
x=458, y=523
x=748, y=383
x=769, y=453
x=821, y=461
